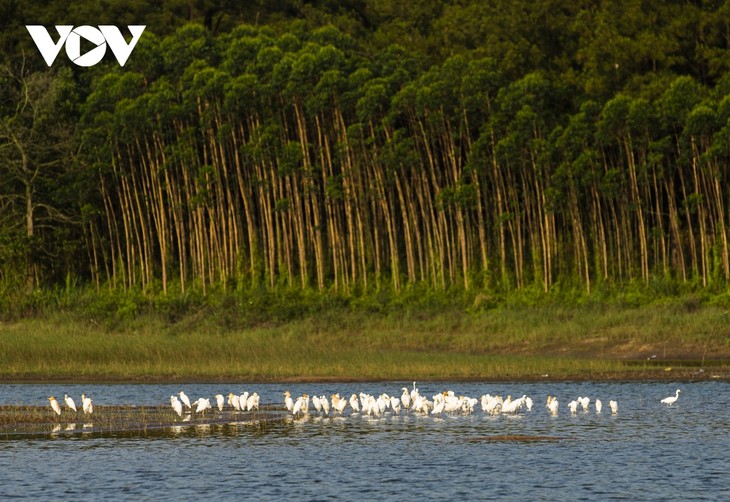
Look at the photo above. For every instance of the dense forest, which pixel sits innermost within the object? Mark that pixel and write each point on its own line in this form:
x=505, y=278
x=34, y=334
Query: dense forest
x=357, y=146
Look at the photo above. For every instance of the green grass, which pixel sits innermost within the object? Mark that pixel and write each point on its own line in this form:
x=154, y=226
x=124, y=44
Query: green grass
x=345, y=342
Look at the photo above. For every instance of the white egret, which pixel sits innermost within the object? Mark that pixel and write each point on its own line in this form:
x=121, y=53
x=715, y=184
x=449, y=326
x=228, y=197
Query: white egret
x=301, y=405
x=176, y=405
x=395, y=403
x=69, y=402
x=671, y=399
x=338, y=403
x=414, y=392
x=288, y=401
x=220, y=401
x=614, y=406
x=234, y=401
x=202, y=404
x=354, y=403
x=365, y=403
x=405, y=398
x=451, y=402
x=341, y=405
x=584, y=402
x=325, y=404
x=54, y=405
x=383, y=402
x=317, y=405
x=252, y=402
x=422, y=405
x=510, y=406
x=599, y=405
x=491, y=404
x=439, y=403
x=573, y=407
x=553, y=405
x=86, y=404
x=335, y=400
x=243, y=401
x=469, y=404
x=185, y=399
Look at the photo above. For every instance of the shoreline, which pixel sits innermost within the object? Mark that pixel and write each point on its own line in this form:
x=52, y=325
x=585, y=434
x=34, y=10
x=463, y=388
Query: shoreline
x=687, y=374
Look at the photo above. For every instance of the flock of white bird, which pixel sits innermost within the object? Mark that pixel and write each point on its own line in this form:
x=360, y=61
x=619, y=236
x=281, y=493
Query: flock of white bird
x=87, y=404
x=370, y=405
x=412, y=401
x=243, y=402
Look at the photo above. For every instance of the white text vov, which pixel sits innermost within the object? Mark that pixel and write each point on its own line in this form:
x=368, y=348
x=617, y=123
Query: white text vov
x=101, y=37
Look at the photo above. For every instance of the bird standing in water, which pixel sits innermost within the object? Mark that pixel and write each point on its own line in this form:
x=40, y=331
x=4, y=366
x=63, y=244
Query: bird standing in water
x=176, y=405
x=69, y=402
x=54, y=405
x=86, y=404
x=614, y=406
x=185, y=399
x=671, y=399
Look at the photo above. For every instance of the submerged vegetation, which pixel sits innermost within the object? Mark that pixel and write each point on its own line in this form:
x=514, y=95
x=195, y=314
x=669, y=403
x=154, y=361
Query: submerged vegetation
x=23, y=421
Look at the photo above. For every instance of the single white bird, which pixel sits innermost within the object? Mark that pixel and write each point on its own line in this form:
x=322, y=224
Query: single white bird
x=599, y=405
x=202, y=404
x=671, y=399
x=584, y=402
x=354, y=403
x=301, y=405
x=405, y=398
x=573, y=407
x=317, y=405
x=325, y=404
x=614, y=406
x=176, y=405
x=439, y=403
x=234, y=401
x=69, y=402
x=288, y=401
x=220, y=401
x=338, y=403
x=252, y=402
x=414, y=392
x=86, y=404
x=243, y=400
x=54, y=405
x=553, y=405
x=185, y=399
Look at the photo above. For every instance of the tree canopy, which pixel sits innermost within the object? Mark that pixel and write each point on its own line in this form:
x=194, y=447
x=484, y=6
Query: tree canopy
x=358, y=145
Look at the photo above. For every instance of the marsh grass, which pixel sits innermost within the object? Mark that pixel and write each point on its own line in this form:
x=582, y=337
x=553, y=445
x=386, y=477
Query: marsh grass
x=354, y=344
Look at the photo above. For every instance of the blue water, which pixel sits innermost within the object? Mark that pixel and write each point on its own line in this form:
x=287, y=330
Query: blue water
x=647, y=451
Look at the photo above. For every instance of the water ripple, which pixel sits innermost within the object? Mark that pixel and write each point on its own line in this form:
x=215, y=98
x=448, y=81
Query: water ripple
x=647, y=451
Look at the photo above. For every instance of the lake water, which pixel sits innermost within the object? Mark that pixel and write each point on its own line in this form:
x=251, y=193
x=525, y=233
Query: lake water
x=647, y=451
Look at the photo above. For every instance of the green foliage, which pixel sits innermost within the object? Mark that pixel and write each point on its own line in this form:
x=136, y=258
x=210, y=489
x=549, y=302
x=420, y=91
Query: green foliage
x=397, y=153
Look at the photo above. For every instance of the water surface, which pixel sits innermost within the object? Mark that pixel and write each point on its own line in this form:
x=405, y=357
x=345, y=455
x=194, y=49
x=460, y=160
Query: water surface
x=648, y=451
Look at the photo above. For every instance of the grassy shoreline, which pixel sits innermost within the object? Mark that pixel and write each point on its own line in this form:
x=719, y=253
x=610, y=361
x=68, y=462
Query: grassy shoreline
x=671, y=340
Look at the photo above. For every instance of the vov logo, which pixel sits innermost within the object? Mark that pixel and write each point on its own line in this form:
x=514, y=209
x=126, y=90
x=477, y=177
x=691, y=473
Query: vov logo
x=71, y=37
